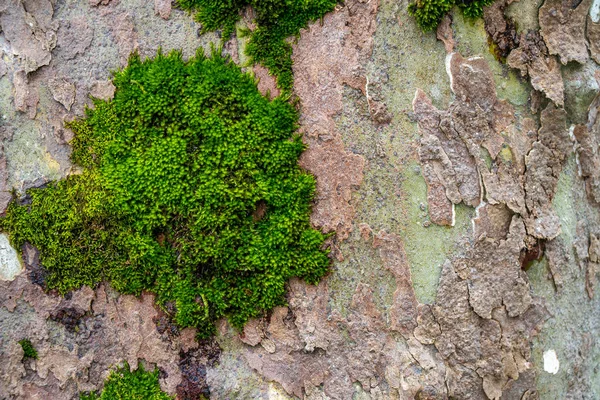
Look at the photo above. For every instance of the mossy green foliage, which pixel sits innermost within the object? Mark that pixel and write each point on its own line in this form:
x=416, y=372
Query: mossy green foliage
x=276, y=20
x=122, y=384
x=190, y=188
x=28, y=350
x=429, y=13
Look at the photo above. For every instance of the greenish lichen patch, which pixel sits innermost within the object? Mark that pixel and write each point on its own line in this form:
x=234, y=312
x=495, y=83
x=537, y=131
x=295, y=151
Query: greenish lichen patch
x=122, y=384
x=563, y=200
x=276, y=20
x=362, y=265
x=427, y=245
x=581, y=88
x=574, y=316
x=34, y=161
x=190, y=189
x=526, y=13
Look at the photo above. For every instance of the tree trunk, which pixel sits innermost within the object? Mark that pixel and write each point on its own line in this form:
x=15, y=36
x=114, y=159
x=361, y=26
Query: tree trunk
x=458, y=169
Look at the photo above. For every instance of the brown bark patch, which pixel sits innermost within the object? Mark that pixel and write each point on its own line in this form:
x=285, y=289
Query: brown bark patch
x=562, y=25
x=326, y=57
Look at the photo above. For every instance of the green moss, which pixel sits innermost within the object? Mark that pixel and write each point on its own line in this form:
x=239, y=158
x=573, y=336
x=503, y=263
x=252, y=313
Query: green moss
x=473, y=8
x=276, y=20
x=122, y=384
x=28, y=350
x=190, y=189
x=429, y=13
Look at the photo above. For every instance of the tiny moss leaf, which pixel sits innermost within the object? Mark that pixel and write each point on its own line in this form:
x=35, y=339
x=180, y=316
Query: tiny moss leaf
x=28, y=350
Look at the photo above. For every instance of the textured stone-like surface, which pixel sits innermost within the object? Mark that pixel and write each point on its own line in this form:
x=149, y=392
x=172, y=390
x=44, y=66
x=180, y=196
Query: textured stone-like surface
x=501, y=30
x=593, y=267
x=562, y=24
x=104, y=90
x=589, y=159
x=78, y=339
x=74, y=37
x=483, y=356
x=63, y=92
x=327, y=56
x=533, y=60
x=444, y=33
x=593, y=37
x=544, y=164
x=561, y=279
x=484, y=292
x=5, y=194
x=447, y=163
x=494, y=273
x=452, y=142
x=163, y=8
x=26, y=97
x=31, y=31
x=588, y=150
x=484, y=311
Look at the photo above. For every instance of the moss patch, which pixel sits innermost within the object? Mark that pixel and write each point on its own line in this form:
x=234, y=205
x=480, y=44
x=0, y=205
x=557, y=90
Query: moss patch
x=276, y=20
x=28, y=350
x=190, y=189
x=429, y=13
x=122, y=384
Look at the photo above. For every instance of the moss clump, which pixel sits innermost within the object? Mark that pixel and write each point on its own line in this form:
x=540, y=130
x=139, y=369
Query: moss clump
x=429, y=13
x=28, y=350
x=276, y=20
x=122, y=384
x=190, y=189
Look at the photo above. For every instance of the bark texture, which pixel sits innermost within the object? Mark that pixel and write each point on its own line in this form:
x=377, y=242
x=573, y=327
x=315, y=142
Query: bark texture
x=459, y=170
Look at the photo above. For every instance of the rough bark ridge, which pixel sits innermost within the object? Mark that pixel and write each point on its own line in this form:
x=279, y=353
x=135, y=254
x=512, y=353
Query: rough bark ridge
x=326, y=57
x=79, y=339
x=484, y=289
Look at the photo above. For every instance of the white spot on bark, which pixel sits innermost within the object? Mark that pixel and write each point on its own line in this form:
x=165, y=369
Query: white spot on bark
x=551, y=364
x=10, y=266
x=481, y=204
x=415, y=98
x=448, y=70
x=453, y=214
x=595, y=11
